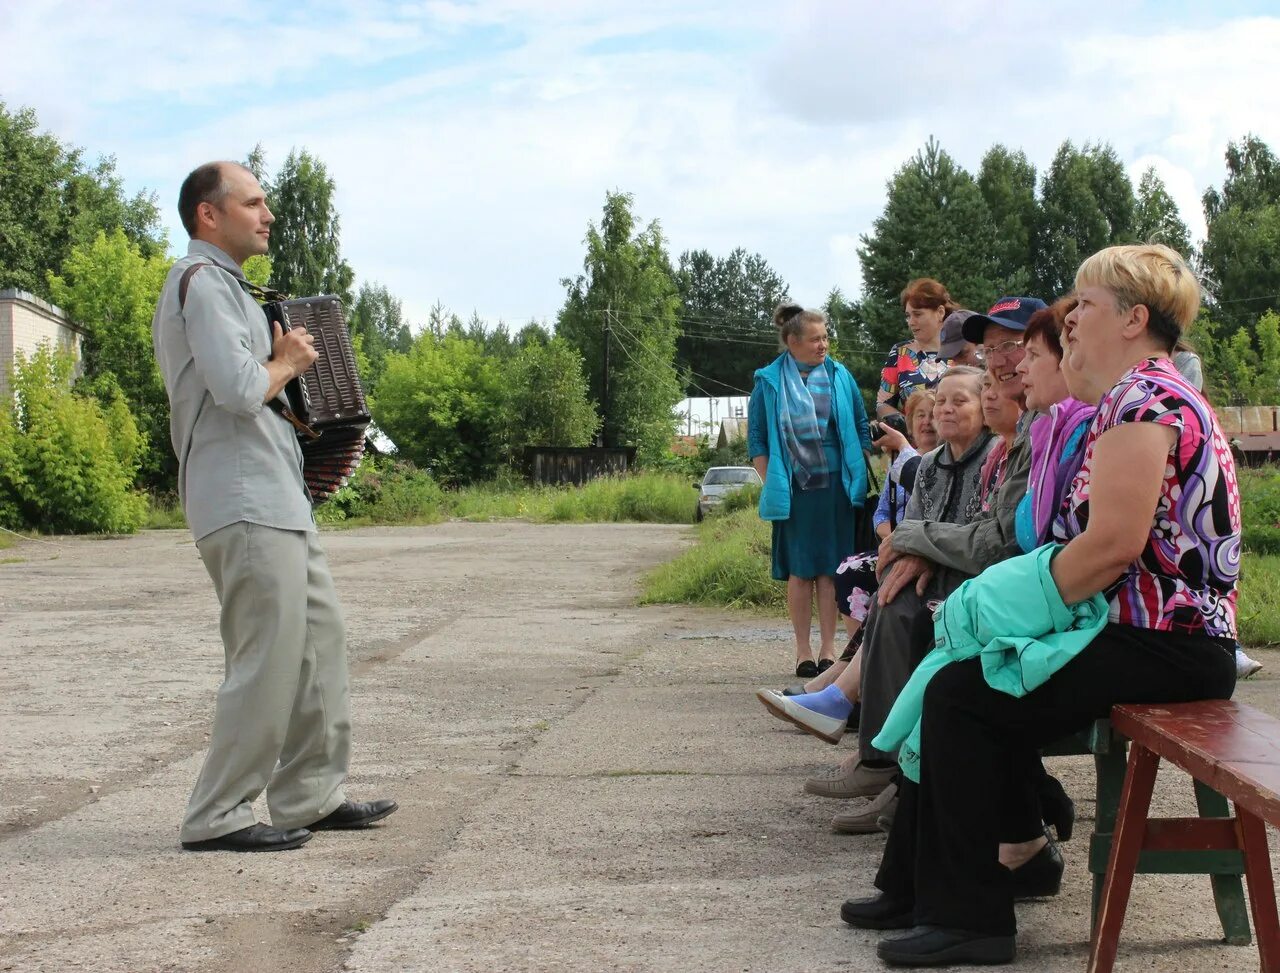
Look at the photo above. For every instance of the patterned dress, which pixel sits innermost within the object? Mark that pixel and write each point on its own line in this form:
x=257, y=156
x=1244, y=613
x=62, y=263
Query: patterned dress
x=1185, y=579
x=907, y=370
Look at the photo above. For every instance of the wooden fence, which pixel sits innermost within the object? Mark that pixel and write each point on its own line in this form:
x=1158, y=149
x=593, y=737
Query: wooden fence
x=556, y=466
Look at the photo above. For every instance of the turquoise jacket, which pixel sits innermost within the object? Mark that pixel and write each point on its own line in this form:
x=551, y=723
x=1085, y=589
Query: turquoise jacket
x=1012, y=618
x=764, y=422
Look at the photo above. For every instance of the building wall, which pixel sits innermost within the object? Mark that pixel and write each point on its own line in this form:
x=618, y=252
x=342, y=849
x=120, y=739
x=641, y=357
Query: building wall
x=26, y=322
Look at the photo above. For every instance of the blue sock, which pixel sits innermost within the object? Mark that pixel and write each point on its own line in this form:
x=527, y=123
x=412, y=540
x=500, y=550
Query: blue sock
x=829, y=702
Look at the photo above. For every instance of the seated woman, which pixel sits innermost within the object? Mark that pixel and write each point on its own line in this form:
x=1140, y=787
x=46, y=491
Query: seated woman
x=946, y=489
x=1152, y=522
x=1001, y=412
x=1058, y=433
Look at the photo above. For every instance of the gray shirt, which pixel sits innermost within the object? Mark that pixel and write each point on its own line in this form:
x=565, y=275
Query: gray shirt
x=237, y=460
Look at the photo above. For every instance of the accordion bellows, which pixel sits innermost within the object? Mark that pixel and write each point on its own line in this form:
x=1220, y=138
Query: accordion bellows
x=328, y=396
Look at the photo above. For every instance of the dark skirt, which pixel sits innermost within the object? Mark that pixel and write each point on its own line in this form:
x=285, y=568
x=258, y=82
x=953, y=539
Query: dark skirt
x=817, y=536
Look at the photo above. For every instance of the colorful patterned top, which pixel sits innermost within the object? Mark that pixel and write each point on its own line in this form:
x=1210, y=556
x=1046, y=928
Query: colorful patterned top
x=906, y=370
x=1185, y=579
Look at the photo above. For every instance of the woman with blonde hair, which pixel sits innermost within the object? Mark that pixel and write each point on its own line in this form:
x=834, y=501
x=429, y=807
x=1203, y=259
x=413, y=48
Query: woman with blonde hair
x=1150, y=535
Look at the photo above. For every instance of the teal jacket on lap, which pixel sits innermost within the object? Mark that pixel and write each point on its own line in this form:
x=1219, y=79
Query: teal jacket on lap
x=1013, y=619
x=764, y=436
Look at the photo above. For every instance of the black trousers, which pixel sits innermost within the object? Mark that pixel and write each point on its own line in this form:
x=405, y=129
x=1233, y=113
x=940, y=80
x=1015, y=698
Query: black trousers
x=978, y=756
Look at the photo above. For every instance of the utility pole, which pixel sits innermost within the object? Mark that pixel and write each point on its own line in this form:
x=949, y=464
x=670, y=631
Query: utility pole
x=604, y=382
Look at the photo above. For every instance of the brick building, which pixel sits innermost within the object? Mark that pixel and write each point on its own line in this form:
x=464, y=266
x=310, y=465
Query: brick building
x=26, y=322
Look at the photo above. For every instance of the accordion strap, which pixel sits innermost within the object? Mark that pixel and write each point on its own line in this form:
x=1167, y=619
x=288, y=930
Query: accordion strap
x=261, y=294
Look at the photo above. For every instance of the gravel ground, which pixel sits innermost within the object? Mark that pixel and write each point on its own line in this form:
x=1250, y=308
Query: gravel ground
x=584, y=784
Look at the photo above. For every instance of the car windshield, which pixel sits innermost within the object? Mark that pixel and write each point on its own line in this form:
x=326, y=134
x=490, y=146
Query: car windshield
x=729, y=476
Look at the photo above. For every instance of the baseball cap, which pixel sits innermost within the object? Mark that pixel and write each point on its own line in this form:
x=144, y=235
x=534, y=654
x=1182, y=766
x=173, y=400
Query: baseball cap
x=951, y=340
x=1008, y=312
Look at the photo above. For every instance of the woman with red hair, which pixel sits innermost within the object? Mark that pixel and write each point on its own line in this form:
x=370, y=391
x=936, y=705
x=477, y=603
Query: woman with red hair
x=915, y=364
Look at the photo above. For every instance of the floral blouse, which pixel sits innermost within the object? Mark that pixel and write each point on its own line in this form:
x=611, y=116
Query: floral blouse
x=1185, y=579
x=907, y=370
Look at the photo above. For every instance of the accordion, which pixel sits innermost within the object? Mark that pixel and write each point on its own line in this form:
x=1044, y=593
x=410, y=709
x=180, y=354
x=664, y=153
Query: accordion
x=326, y=402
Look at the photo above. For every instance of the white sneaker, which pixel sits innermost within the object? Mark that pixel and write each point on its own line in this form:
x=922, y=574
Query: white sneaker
x=785, y=707
x=1245, y=667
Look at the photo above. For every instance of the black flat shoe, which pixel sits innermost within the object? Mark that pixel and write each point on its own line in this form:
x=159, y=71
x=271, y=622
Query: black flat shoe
x=879, y=912
x=354, y=814
x=796, y=690
x=825, y=664
x=1041, y=875
x=256, y=837
x=807, y=669
x=934, y=946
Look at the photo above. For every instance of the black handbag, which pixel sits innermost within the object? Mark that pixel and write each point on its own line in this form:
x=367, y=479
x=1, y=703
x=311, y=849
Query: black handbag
x=864, y=530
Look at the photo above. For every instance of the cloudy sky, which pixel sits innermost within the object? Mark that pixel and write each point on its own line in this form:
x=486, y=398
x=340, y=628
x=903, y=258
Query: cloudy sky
x=471, y=143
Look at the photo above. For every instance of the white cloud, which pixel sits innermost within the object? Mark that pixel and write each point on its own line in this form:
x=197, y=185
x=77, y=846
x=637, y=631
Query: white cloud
x=472, y=142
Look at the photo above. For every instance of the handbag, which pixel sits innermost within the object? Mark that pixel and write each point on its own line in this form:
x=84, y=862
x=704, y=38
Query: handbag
x=864, y=530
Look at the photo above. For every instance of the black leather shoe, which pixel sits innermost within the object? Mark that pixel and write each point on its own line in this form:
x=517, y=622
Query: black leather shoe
x=1041, y=875
x=806, y=669
x=354, y=814
x=934, y=946
x=1056, y=807
x=824, y=665
x=256, y=837
x=880, y=912
x=795, y=690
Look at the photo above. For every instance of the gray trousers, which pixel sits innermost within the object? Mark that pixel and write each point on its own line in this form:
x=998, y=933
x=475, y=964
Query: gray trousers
x=282, y=720
x=891, y=650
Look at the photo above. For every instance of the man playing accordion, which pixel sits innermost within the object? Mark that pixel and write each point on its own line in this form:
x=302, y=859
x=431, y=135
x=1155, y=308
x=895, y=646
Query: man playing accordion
x=281, y=721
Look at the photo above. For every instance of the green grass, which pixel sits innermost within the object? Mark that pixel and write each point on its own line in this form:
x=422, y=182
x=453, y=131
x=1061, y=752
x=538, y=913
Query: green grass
x=1259, y=612
x=164, y=513
x=729, y=566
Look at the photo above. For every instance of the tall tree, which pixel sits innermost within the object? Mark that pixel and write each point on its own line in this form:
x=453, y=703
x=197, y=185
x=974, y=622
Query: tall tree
x=1008, y=184
x=935, y=224
x=1241, y=253
x=52, y=201
x=1087, y=203
x=547, y=403
x=306, y=257
x=627, y=283
x=111, y=290
x=441, y=404
x=1156, y=218
x=726, y=326
x=377, y=319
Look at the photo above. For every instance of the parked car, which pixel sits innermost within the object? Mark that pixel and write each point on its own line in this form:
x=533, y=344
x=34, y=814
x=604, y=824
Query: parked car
x=719, y=482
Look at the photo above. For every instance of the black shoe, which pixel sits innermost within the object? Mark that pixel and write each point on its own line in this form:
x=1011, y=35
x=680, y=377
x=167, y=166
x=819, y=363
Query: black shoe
x=256, y=837
x=796, y=690
x=807, y=669
x=855, y=718
x=934, y=946
x=1056, y=808
x=825, y=664
x=1041, y=875
x=881, y=912
x=354, y=814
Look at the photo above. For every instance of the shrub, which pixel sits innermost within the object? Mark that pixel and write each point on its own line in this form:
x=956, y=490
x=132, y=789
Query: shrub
x=70, y=463
x=385, y=491
x=652, y=498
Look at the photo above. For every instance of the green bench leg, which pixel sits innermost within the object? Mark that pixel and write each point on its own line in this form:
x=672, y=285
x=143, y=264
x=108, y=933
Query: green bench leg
x=1228, y=893
x=1223, y=867
x=1109, y=765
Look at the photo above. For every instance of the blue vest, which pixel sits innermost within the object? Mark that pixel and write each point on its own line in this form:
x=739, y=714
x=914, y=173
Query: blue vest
x=850, y=417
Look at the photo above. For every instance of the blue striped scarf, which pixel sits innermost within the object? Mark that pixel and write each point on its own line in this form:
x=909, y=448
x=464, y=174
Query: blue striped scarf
x=806, y=409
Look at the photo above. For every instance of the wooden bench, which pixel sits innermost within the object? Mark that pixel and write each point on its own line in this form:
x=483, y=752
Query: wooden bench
x=1231, y=750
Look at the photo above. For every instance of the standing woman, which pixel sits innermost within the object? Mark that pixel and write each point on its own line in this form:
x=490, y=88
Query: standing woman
x=806, y=433
x=918, y=363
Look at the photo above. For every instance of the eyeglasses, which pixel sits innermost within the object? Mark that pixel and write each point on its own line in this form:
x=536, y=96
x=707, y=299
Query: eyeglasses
x=1005, y=348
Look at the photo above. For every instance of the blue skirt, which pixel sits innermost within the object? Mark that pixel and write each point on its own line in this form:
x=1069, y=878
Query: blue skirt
x=817, y=536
